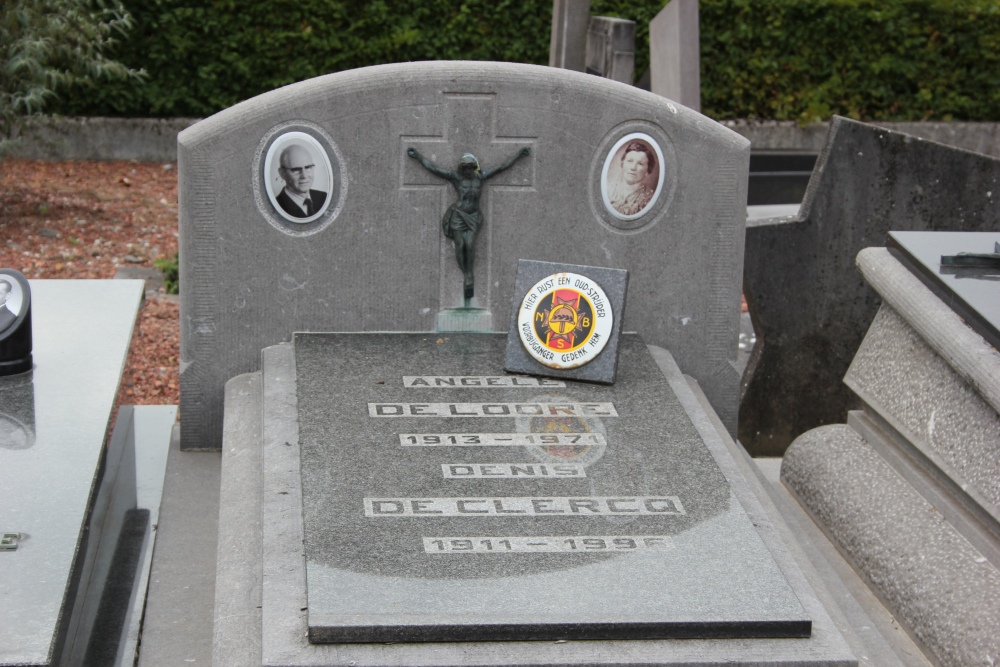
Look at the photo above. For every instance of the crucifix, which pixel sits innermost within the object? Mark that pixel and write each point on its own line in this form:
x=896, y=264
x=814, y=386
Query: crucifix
x=457, y=122
x=463, y=219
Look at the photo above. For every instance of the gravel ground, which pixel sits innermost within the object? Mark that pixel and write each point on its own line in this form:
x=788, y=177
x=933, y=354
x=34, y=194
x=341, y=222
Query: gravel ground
x=85, y=219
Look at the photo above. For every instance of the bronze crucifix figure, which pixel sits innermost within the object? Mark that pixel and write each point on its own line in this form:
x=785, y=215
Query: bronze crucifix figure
x=463, y=219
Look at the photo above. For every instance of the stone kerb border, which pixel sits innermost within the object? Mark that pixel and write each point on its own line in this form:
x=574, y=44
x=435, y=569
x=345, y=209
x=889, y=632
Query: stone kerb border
x=964, y=350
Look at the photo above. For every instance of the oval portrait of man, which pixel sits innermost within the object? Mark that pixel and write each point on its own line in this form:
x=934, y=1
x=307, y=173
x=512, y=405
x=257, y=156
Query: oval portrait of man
x=632, y=178
x=298, y=177
x=11, y=301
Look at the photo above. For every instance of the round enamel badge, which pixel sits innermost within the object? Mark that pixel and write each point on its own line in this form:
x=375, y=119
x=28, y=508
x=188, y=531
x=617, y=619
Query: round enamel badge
x=565, y=320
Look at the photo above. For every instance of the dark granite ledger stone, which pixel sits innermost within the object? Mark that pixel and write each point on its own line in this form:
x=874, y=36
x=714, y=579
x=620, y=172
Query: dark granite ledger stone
x=973, y=293
x=379, y=578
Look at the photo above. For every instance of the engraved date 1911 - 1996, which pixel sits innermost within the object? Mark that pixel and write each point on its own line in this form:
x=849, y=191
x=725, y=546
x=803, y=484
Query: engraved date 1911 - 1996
x=546, y=544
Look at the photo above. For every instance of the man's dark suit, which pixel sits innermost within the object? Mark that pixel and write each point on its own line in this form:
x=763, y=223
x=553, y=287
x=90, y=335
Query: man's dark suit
x=318, y=198
x=6, y=318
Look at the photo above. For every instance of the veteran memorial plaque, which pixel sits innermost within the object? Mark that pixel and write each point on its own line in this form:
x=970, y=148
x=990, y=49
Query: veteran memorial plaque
x=566, y=321
x=444, y=500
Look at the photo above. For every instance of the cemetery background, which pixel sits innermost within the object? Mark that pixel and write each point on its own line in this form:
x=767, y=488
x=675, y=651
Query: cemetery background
x=770, y=59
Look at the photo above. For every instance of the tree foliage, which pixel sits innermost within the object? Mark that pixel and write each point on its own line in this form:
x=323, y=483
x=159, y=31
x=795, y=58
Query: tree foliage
x=53, y=46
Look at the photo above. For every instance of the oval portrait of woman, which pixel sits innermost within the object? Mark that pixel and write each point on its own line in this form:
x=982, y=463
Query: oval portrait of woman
x=298, y=177
x=632, y=178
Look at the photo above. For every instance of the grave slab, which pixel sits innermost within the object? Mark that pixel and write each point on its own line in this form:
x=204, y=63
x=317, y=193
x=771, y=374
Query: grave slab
x=263, y=515
x=446, y=501
x=970, y=291
x=58, y=473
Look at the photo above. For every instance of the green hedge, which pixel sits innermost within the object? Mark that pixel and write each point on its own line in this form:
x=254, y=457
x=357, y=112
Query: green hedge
x=865, y=59
x=779, y=59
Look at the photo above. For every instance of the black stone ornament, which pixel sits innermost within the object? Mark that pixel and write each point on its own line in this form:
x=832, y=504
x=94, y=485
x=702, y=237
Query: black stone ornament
x=15, y=323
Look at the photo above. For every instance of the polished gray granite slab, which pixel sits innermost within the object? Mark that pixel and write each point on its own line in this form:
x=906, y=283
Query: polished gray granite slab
x=604, y=516
x=53, y=425
x=974, y=293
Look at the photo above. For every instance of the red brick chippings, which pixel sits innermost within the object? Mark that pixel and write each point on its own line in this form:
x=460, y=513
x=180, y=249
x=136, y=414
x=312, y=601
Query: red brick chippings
x=85, y=219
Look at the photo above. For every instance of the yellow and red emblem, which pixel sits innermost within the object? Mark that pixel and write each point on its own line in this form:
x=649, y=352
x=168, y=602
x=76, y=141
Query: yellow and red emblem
x=565, y=320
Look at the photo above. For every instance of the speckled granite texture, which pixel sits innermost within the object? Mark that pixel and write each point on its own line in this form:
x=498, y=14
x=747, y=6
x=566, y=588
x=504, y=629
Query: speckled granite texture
x=374, y=578
x=899, y=377
x=942, y=589
x=265, y=608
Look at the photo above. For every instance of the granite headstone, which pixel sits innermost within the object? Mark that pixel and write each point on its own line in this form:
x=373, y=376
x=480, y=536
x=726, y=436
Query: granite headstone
x=372, y=257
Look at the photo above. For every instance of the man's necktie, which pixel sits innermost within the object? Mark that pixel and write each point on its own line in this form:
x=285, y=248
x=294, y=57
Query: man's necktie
x=309, y=206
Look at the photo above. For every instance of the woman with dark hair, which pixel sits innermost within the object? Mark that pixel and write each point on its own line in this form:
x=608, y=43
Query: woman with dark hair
x=630, y=195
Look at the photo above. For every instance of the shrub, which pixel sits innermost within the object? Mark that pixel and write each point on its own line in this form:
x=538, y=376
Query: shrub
x=52, y=46
x=779, y=59
x=168, y=266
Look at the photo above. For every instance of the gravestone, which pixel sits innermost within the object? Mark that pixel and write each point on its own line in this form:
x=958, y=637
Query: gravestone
x=907, y=488
x=408, y=503
x=675, y=55
x=373, y=257
x=809, y=305
x=568, y=43
x=68, y=506
x=611, y=48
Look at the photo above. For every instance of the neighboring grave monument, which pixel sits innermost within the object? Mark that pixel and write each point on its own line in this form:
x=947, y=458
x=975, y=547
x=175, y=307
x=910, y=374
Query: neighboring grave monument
x=71, y=533
x=568, y=44
x=674, y=53
x=809, y=305
x=611, y=48
x=907, y=489
x=635, y=183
